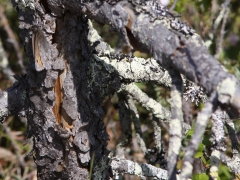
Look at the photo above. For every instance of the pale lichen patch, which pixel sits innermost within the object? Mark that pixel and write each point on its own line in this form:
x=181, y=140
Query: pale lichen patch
x=23, y=4
x=226, y=90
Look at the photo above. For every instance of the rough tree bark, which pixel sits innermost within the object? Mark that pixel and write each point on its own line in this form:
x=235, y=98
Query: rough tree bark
x=71, y=71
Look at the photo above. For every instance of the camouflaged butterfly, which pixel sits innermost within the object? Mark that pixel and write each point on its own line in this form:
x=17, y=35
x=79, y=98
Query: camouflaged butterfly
x=41, y=50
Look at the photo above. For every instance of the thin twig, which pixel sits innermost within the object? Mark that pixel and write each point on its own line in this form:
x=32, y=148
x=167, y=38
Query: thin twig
x=125, y=121
x=175, y=124
x=4, y=65
x=201, y=124
x=12, y=37
x=232, y=135
x=157, y=136
x=136, y=122
x=222, y=16
x=14, y=145
x=222, y=32
x=173, y=5
x=150, y=104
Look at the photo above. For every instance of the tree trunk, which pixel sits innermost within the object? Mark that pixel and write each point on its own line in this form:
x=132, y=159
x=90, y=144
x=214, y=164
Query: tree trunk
x=65, y=121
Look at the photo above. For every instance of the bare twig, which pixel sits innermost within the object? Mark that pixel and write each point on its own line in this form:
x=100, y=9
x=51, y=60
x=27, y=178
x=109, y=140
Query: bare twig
x=222, y=17
x=128, y=114
x=200, y=127
x=215, y=161
x=222, y=33
x=173, y=5
x=125, y=121
x=232, y=135
x=14, y=145
x=136, y=122
x=175, y=124
x=4, y=64
x=12, y=37
x=149, y=103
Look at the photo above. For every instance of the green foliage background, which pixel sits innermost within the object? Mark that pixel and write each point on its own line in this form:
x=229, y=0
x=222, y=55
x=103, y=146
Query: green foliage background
x=200, y=14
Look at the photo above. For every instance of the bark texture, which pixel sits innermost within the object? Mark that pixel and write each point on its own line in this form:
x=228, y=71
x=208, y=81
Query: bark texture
x=66, y=119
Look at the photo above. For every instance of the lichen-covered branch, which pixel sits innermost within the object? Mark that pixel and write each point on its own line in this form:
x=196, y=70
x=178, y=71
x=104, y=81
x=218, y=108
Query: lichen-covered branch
x=129, y=69
x=149, y=103
x=14, y=99
x=126, y=166
x=157, y=137
x=233, y=163
x=217, y=140
x=218, y=135
x=171, y=48
x=193, y=93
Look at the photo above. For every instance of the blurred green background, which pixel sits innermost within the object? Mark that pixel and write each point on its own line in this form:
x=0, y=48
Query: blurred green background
x=15, y=161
